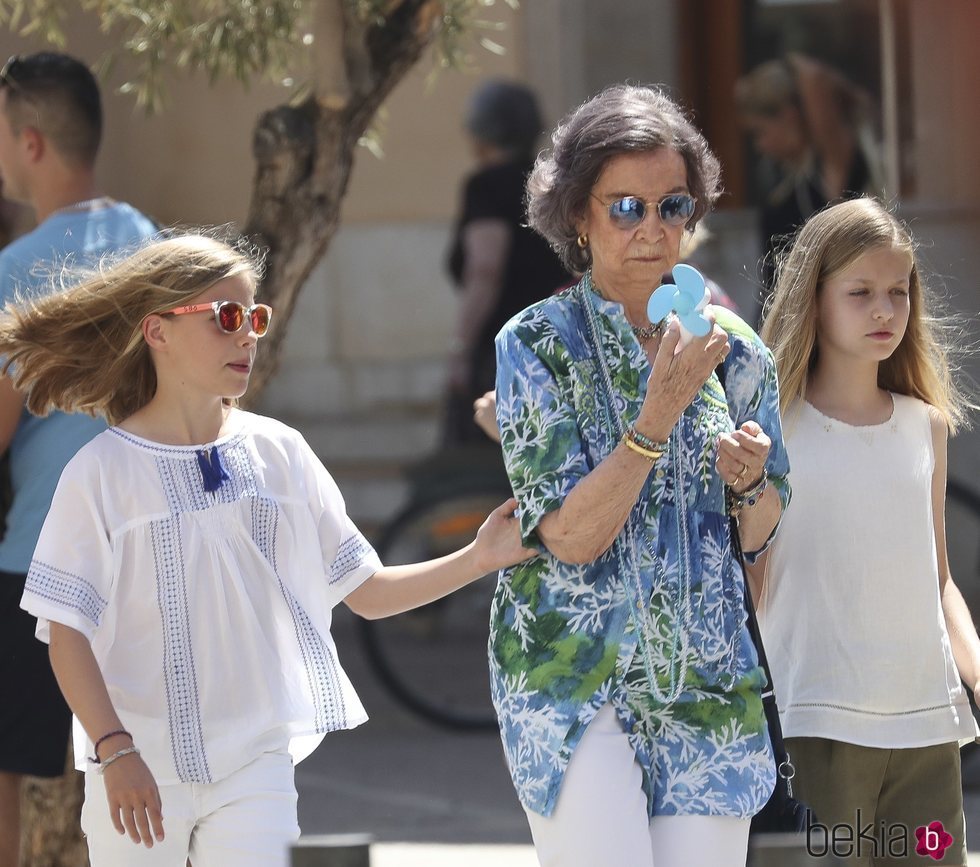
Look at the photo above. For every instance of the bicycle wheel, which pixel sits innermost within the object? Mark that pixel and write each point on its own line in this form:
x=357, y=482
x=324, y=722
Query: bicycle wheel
x=433, y=659
x=963, y=541
x=963, y=546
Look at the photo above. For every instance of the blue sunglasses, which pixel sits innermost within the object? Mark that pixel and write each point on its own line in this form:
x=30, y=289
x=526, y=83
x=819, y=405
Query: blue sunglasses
x=629, y=211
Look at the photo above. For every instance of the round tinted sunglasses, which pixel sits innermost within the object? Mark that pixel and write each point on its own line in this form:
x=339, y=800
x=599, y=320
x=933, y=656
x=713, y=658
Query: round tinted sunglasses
x=231, y=315
x=629, y=211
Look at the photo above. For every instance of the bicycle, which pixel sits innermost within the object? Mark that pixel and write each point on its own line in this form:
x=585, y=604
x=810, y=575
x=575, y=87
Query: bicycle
x=433, y=660
x=963, y=540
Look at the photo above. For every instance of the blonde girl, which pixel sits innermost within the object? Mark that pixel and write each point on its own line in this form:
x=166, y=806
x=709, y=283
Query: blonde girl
x=186, y=572
x=867, y=634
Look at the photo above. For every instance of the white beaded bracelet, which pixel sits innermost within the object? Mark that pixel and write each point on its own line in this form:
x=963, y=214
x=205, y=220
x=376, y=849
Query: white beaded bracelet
x=109, y=760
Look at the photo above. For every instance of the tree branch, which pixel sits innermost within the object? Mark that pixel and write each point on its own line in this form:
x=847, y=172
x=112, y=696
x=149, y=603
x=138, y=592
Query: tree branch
x=304, y=157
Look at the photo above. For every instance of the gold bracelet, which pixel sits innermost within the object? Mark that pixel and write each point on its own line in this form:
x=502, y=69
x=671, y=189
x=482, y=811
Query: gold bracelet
x=636, y=447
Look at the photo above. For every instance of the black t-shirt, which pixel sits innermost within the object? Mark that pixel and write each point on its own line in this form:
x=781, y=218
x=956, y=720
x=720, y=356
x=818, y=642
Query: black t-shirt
x=533, y=270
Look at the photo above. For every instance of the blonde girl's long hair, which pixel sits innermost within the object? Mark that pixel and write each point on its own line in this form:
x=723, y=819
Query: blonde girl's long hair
x=81, y=348
x=828, y=242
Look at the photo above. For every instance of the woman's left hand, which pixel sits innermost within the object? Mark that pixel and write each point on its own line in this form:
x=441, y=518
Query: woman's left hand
x=498, y=541
x=742, y=456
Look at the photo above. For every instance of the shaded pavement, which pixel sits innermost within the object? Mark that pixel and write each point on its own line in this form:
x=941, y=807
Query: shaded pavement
x=435, y=798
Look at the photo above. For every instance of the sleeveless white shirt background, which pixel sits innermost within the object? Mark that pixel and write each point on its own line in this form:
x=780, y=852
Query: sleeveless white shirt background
x=851, y=617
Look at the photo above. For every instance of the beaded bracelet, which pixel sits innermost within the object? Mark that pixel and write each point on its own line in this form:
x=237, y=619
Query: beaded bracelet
x=645, y=441
x=128, y=751
x=643, y=445
x=95, y=759
x=634, y=446
x=750, y=496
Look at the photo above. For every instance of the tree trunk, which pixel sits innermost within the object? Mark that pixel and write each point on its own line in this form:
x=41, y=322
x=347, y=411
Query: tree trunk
x=304, y=153
x=304, y=156
x=50, y=832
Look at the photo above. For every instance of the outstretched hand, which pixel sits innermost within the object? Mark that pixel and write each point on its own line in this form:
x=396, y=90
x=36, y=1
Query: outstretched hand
x=498, y=541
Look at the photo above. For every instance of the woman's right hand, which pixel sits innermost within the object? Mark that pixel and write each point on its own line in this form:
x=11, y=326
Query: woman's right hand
x=676, y=378
x=134, y=800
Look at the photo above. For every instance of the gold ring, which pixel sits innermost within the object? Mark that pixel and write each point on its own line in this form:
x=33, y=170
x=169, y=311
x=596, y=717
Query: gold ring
x=741, y=473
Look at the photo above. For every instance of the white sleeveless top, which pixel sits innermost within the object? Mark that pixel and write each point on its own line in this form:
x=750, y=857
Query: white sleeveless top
x=852, y=620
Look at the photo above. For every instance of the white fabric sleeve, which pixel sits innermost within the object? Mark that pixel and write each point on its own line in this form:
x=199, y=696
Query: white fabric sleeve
x=71, y=574
x=348, y=557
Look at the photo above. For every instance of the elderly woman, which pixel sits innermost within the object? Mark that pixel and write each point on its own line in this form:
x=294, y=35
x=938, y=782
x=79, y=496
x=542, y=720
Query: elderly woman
x=625, y=682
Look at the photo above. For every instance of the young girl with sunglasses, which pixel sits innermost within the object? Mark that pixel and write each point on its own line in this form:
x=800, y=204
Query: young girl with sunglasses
x=187, y=570
x=866, y=632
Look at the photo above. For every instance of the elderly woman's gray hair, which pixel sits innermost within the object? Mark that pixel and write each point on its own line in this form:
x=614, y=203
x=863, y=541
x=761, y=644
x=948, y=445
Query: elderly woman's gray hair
x=621, y=119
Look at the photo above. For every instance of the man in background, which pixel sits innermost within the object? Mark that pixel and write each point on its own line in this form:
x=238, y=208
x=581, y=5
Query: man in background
x=50, y=129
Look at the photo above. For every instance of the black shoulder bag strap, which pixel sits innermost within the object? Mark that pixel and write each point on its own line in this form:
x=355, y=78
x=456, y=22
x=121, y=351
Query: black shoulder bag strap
x=782, y=812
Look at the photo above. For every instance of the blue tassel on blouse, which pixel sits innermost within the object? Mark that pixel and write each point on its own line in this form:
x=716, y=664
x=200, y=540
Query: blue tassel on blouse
x=212, y=473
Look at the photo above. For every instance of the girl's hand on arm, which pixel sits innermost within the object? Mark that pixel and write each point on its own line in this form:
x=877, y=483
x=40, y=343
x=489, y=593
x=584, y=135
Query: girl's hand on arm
x=395, y=589
x=498, y=541
x=134, y=800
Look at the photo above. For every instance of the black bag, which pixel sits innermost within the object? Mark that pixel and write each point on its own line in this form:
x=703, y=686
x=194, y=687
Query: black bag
x=782, y=812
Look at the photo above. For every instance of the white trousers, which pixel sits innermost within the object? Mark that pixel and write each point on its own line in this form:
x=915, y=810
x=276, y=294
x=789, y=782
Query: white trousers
x=601, y=819
x=245, y=820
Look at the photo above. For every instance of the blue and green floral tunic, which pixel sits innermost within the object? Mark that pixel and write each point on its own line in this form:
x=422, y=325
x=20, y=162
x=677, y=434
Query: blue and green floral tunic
x=655, y=625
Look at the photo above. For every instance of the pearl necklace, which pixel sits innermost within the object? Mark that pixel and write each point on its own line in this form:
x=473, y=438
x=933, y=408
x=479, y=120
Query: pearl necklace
x=634, y=589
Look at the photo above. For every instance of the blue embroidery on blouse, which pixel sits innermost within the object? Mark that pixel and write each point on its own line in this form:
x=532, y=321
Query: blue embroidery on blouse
x=180, y=676
x=349, y=555
x=180, y=478
x=181, y=482
x=318, y=659
x=65, y=589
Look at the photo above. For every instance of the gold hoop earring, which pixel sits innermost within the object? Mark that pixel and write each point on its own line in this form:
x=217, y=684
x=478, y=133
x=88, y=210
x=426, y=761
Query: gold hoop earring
x=582, y=240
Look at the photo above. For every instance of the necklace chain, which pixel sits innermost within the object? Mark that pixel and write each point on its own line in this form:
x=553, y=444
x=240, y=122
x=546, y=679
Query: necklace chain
x=683, y=609
x=642, y=616
x=647, y=333
x=642, y=333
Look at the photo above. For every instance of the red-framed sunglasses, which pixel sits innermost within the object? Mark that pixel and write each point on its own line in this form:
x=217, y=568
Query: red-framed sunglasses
x=230, y=316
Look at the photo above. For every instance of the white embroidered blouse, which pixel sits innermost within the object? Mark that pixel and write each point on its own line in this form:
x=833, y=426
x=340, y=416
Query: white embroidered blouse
x=209, y=613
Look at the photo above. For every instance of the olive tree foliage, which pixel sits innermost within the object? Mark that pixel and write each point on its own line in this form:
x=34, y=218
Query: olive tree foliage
x=345, y=57
x=351, y=52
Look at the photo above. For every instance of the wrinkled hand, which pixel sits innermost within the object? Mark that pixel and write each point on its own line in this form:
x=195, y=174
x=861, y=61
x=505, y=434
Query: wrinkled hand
x=676, y=378
x=742, y=456
x=485, y=415
x=134, y=800
x=498, y=541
